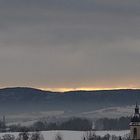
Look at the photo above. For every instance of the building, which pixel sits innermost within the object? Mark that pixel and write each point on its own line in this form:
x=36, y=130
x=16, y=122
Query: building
x=135, y=125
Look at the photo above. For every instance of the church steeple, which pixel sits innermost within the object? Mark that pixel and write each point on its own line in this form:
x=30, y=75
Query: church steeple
x=137, y=109
x=136, y=116
x=135, y=124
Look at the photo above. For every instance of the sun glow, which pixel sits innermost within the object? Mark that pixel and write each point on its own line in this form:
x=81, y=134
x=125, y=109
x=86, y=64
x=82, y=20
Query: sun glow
x=82, y=88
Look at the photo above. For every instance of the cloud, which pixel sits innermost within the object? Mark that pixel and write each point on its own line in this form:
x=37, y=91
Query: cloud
x=68, y=43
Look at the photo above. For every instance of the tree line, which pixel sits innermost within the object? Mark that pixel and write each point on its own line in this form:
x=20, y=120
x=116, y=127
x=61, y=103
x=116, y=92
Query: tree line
x=78, y=124
x=121, y=123
x=23, y=136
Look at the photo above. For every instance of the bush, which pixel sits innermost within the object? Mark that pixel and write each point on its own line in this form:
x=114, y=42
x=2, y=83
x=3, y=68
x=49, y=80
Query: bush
x=23, y=136
x=8, y=137
x=36, y=136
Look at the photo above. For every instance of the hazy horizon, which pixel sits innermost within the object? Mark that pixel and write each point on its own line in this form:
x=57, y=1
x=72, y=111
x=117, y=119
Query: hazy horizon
x=68, y=90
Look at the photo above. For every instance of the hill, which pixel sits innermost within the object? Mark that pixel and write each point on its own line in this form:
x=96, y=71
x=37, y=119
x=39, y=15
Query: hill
x=74, y=103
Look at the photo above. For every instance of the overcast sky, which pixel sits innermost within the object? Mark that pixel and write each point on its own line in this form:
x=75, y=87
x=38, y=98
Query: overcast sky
x=70, y=44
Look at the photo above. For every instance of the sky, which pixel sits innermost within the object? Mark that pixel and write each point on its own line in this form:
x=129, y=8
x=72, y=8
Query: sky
x=70, y=44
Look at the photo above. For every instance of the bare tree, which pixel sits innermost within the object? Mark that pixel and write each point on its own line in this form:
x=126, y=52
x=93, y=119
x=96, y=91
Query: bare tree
x=58, y=137
x=90, y=135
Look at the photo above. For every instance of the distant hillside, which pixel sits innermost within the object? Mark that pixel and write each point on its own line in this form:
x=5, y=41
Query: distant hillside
x=29, y=99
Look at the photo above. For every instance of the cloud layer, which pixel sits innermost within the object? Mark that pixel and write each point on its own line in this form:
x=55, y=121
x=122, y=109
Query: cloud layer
x=70, y=43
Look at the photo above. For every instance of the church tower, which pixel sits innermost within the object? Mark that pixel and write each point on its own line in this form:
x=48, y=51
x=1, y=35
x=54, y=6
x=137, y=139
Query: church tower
x=135, y=125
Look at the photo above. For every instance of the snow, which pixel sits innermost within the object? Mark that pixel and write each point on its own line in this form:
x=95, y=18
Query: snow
x=73, y=135
x=112, y=112
x=77, y=135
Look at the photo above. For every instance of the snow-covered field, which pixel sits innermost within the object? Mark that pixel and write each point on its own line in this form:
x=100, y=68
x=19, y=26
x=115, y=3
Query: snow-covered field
x=78, y=135
x=74, y=135
x=110, y=112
